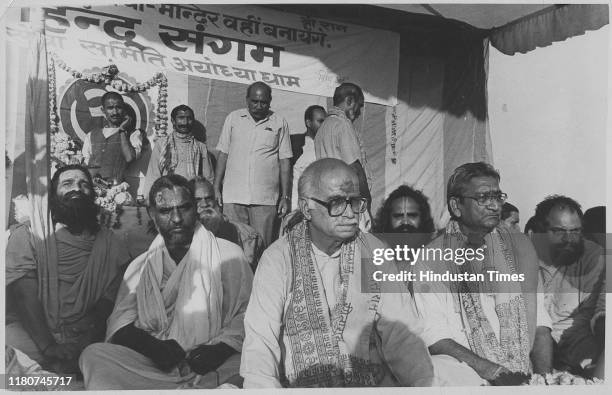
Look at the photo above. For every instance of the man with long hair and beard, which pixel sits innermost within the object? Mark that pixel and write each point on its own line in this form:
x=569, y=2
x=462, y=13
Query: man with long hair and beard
x=405, y=218
x=572, y=271
x=59, y=296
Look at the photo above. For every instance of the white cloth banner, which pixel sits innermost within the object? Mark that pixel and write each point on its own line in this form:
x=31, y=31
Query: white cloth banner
x=238, y=43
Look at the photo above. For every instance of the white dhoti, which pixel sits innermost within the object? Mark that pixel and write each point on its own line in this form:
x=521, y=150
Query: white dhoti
x=200, y=301
x=449, y=371
x=131, y=370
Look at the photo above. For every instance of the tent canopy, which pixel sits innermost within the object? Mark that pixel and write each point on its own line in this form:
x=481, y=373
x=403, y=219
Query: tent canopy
x=481, y=16
x=511, y=28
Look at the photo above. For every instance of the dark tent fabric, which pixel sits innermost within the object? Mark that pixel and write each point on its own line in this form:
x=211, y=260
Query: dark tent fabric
x=556, y=23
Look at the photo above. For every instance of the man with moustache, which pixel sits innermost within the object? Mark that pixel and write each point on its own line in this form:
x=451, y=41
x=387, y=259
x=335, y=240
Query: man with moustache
x=253, y=175
x=572, y=270
x=108, y=151
x=180, y=152
x=314, y=318
x=212, y=218
x=405, y=220
x=60, y=291
x=482, y=332
x=303, y=146
x=178, y=318
x=406, y=210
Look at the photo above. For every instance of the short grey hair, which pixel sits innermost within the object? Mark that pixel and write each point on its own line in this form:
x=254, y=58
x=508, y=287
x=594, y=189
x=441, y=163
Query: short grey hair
x=310, y=180
x=463, y=175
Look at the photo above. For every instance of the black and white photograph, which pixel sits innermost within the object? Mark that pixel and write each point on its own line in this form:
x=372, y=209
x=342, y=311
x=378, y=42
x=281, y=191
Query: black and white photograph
x=305, y=195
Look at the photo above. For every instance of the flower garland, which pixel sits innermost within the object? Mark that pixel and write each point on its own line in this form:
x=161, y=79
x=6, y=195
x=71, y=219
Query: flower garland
x=111, y=199
x=394, y=135
x=117, y=195
x=561, y=378
x=107, y=77
x=64, y=150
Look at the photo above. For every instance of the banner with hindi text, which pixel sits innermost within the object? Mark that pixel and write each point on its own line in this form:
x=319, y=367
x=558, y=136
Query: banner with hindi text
x=236, y=43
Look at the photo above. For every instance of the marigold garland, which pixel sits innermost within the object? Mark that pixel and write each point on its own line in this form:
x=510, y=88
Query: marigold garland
x=64, y=150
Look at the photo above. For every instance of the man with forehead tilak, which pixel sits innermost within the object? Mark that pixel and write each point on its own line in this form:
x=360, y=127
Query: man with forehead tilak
x=482, y=330
x=312, y=321
x=178, y=319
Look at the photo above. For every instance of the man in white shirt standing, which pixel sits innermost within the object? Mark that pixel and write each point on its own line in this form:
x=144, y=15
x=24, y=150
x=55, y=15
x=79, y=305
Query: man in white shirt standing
x=254, y=163
x=303, y=146
x=108, y=150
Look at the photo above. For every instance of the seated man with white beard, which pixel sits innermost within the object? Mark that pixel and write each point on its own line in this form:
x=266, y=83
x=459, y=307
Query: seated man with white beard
x=60, y=291
x=213, y=219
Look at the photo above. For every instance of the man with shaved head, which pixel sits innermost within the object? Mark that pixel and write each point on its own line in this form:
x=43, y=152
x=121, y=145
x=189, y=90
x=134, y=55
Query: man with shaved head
x=337, y=137
x=254, y=164
x=314, y=318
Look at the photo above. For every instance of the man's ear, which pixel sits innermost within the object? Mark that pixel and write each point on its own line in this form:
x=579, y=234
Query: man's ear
x=349, y=101
x=308, y=123
x=454, y=207
x=303, y=205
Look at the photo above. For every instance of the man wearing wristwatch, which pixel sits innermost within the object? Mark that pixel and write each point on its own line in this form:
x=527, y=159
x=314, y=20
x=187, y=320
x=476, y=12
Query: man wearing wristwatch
x=108, y=150
x=254, y=163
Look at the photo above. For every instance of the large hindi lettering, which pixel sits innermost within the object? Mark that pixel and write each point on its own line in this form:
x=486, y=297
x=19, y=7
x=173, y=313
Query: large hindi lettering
x=57, y=21
x=240, y=43
x=250, y=25
x=219, y=45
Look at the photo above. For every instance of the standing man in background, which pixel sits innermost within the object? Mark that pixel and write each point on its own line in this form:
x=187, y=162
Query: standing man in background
x=337, y=137
x=180, y=152
x=254, y=158
x=303, y=146
x=108, y=151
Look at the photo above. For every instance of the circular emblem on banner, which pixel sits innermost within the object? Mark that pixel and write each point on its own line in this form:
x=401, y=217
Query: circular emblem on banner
x=81, y=108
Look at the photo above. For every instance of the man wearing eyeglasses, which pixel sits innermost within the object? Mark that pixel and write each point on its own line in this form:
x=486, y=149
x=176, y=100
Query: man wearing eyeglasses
x=312, y=321
x=482, y=332
x=572, y=270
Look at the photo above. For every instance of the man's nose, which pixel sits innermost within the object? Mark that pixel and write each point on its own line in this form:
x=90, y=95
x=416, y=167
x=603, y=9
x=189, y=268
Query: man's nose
x=348, y=212
x=176, y=216
x=495, y=205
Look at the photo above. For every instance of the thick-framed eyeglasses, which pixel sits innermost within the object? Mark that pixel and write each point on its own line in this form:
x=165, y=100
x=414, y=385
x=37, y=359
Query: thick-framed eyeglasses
x=335, y=207
x=560, y=232
x=485, y=199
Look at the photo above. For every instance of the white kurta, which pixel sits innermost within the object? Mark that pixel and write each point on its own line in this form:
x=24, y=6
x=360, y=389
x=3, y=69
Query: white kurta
x=262, y=354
